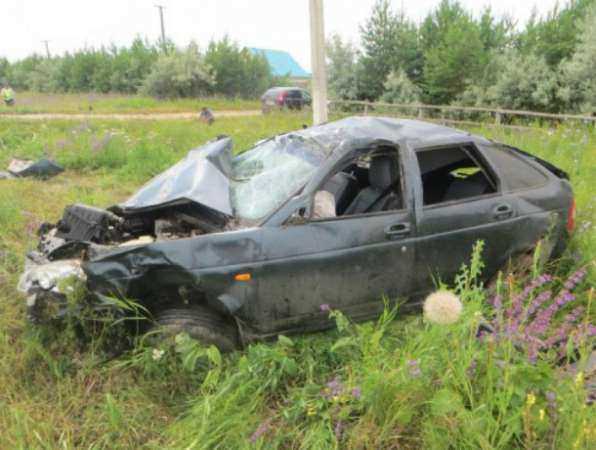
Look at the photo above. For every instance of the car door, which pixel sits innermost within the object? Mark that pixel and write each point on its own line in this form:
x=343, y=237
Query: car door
x=448, y=230
x=347, y=262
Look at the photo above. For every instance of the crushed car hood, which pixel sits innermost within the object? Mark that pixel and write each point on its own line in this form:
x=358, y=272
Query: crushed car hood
x=202, y=177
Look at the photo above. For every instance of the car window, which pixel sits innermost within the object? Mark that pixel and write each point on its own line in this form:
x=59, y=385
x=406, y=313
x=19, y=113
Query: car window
x=453, y=173
x=370, y=183
x=517, y=173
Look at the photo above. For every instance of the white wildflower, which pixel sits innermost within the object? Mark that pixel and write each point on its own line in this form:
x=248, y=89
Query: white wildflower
x=157, y=354
x=442, y=307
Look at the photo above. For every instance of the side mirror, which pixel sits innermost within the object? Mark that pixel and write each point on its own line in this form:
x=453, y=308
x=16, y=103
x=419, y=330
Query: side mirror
x=298, y=217
x=294, y=212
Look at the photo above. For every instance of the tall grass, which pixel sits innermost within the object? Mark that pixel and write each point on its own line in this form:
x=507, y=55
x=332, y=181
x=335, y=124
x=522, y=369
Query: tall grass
x=399, y=382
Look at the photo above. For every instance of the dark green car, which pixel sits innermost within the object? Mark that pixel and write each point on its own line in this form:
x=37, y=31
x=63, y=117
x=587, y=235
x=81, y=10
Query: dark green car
x=233, y=249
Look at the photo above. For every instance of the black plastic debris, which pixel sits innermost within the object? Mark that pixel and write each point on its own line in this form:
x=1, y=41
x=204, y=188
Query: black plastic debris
x=21, y=168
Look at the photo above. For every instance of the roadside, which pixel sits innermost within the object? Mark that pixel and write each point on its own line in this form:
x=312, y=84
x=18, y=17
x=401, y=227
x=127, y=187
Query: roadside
x=134, y=116
x=94, y=103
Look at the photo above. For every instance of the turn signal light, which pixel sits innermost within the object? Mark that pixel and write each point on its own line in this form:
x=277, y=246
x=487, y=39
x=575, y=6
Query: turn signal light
x=242, y=277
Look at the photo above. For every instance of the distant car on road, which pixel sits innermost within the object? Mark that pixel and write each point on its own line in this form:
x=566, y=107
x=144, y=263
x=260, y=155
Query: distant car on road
x=278, y=98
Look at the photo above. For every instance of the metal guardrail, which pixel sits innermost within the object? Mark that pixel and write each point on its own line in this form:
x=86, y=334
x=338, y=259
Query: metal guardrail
x=498, y=113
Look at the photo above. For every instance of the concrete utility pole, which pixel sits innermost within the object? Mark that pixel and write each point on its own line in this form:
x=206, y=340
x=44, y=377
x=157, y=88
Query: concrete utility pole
x=163, y=30
x=47, y=48
x=317, y=57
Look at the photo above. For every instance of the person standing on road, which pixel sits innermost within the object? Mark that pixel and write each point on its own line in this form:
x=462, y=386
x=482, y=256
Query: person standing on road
x=7, y=95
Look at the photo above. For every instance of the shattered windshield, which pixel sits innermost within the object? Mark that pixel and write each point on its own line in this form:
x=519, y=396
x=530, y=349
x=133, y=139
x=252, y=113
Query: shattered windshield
x=264, y=177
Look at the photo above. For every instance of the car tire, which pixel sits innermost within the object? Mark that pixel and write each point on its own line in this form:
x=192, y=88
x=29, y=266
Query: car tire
x=202, y=324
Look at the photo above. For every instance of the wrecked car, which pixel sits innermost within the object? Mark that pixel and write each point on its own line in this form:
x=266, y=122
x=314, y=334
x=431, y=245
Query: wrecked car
x=236, y=248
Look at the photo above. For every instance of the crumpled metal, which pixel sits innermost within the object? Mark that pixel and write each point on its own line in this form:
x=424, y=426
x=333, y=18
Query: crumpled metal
x=201, y=177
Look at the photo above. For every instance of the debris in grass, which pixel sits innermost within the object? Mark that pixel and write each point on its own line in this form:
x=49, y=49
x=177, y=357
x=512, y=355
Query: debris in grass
x=21, y=168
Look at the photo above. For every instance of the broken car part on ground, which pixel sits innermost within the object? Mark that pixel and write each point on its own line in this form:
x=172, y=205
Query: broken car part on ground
x=21, y=168
x=228, y=248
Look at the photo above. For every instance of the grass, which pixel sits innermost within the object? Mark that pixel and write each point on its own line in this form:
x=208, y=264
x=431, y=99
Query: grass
x=93, y=103
x=398, y=383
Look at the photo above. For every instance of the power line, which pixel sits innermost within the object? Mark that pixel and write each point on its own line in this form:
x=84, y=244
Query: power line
x=163, y=30
x=47, y=43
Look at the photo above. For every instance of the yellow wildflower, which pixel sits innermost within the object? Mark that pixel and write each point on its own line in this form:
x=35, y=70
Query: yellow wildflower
x=541, y=412
x=579, y=379
x=530, y=399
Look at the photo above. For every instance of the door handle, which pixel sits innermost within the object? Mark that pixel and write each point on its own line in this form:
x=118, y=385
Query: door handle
x=397, y=229
x=502, y=211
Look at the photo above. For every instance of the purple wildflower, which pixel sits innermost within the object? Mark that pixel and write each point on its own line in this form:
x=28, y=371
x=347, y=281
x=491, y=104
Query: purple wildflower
x=356, y=393
x=261, y=430
x=471, y=370
x=325, y=307
x=334, y=388
x=338, y=429
x=540, y=300
x=528, y=322
x=575, y=279
x=551, y=404
x=414, y=368
x=561, y=333
x=497, y=302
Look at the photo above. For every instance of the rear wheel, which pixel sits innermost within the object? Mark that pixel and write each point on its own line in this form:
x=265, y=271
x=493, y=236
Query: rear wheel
x=201, y=323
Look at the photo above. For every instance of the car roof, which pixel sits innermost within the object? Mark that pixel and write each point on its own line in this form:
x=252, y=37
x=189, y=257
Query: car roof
x=368, y=130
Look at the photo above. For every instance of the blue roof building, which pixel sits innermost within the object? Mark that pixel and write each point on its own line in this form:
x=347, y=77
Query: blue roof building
x=282, y=63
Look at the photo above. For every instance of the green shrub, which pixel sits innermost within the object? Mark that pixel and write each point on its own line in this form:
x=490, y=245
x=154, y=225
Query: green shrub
x=399, y=89
x=179, y=74
x=237, y=71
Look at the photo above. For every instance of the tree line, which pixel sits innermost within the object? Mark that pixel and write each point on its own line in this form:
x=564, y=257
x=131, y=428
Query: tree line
x=453, y=57
x=163, y=71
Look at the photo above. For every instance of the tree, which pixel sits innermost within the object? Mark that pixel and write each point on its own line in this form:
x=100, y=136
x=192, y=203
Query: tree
x=556, y=36
x=399, y=89
x=390, y=43
x=180, y=74
x=525, y=82
x=496, y=35
x=238, y=72
x=131, y=65
x=4, y=71
x=453, y=53
x=579, y=77
x=342, y=69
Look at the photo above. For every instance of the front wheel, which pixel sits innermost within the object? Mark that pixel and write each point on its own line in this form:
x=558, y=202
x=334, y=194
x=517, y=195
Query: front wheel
x=202, y=324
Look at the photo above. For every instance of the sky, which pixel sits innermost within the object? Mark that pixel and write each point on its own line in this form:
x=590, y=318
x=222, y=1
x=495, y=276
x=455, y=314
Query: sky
x=274, y=24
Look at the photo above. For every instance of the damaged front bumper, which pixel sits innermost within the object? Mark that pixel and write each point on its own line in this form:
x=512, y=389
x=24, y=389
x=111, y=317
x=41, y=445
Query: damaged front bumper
x=47, y=284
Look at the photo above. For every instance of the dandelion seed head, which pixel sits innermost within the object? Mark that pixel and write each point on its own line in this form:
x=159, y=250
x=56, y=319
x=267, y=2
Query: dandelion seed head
x=442, y=307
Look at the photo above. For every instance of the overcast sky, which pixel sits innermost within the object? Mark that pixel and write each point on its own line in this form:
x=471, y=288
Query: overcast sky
x=276, y=24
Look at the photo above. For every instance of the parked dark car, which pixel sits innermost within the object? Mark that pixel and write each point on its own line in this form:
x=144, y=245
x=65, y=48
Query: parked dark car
x=278, y=98
x=236, y=248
